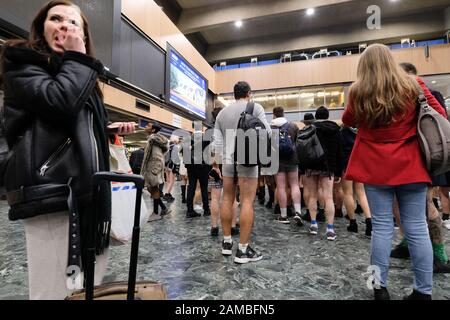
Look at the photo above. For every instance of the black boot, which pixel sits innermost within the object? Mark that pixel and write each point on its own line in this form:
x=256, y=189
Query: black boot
x=353, y=226
x=369, y=227
x=416, y=295
x=381, y=294
x=261, y=195
x=183, y=194
x=440, y=267
x=401, y=251
x=358, y=209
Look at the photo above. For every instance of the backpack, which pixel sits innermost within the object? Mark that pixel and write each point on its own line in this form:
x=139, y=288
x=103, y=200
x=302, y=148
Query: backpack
x=433, y=132
x=247, y=122
x=286, y=146
x=309, y=148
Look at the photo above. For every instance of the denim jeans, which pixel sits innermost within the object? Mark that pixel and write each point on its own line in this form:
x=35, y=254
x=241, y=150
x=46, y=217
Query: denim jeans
x=412, y=204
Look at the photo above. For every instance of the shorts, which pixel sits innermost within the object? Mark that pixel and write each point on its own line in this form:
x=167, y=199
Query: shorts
x=215, y=184
x=287, y=168
x=321, y=174
x=242, y=172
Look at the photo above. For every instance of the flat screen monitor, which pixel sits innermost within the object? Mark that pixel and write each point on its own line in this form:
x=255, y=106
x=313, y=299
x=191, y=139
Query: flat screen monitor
x=186, y=88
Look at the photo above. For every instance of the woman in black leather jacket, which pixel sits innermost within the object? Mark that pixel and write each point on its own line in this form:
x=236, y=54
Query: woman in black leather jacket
x=56, y=126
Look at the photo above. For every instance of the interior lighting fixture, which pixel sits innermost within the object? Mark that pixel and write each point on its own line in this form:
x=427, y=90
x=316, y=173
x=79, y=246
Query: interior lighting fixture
x=238, y=23
x=310, y=11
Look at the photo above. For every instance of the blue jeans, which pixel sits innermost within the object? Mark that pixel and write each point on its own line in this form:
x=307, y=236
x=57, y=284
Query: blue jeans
x=412, y=204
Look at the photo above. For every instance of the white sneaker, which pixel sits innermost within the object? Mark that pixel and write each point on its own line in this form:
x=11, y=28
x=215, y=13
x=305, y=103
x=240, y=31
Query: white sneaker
x=446, y=224
x=197, y=207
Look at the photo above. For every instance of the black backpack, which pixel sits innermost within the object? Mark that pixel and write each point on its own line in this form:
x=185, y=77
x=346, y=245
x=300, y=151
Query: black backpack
x=286, y=146
x=309, y=148
x=248, y=122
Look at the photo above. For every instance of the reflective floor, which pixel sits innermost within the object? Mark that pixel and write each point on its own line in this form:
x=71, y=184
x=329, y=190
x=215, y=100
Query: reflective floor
x=181, y=254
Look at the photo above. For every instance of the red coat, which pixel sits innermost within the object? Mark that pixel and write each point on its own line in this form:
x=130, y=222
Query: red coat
x=389, y=155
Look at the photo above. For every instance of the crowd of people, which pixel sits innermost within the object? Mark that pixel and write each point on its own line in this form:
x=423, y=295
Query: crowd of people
x=57, y=129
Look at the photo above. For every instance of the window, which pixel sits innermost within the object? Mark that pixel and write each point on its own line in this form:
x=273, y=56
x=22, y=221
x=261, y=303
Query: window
x=334, y=97
x=267, y=99
x=311, y=99
x=288, y=100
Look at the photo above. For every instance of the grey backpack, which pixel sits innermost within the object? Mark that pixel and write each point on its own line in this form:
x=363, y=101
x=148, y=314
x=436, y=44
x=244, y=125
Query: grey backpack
x=433, y=132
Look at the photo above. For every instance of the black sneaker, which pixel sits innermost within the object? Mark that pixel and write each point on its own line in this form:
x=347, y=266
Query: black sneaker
x=445, y=216
x=215, y=231
x=298, y=219
x=401, y=251
x=235, y=231
x=249, y=255
x=331, y=236
x=291, y=211
x=440, y=267
x=192, y=214
x=321, y=215
x=306, y=216
x=416, y=295
x=381, y=294
x=353, y=226
x=368, y=227
x=283, y=220
x=206, y=213
x=227, y=248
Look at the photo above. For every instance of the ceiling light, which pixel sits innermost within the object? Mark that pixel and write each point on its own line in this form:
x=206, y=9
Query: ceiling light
x=238, y=23
x=434, y=82
x=310, y=11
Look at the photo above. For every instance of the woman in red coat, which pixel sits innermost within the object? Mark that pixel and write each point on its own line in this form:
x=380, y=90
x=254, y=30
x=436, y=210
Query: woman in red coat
x=387, y=159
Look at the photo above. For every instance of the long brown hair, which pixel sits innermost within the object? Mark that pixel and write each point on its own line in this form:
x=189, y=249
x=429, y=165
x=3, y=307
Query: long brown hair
x=36, y=39
x=383, y=91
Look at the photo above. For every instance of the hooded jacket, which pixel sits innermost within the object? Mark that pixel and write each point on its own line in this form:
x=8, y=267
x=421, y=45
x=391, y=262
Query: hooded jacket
x=293, y=129
x=329, y=135
x=153, y=163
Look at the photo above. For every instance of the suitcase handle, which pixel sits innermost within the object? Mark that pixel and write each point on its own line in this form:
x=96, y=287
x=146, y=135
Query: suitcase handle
x=116, y=177
x=138, y=180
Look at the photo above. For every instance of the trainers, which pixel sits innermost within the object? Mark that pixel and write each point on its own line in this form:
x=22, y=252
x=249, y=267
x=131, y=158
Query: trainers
x=290, y=211
x=416, y=295
x=446, y=224
x=192, y=214
x=298, y=219
x=165, y=212
x=353, y=226
x=283, y=220
x=154, y=217
x=215, y=231
x=321, y=215
x=400, y=252
x=235, y=231
x=313, y=229
x=331, y=236
x=227, y=248
x=306, y=216
x=249, y=255
x=381, y=294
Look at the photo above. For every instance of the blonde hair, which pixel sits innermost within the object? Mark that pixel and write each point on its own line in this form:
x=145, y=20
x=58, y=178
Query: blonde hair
x=383, y=90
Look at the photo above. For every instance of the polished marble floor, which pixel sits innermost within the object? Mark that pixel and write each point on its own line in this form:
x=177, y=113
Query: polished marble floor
x=181, y=254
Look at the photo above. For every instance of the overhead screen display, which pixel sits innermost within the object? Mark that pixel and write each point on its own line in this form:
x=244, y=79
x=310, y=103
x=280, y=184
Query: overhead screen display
x=187, y=88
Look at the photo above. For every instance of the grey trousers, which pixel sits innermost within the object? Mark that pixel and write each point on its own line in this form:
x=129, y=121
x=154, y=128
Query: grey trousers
x=47, y=239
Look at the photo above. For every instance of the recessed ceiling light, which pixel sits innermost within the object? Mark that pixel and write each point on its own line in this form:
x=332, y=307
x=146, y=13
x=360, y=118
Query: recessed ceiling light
x=310, y=11
x=434, y=82
x=238, y=23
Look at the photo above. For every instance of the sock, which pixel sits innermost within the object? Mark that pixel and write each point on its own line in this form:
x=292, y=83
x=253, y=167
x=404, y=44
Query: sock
x=439, y=252
x=403, y=243
x=445, y=216
x=155, y=206
x=243, y=247
x=330, y=227
x=227, y=239
x=297, y=207
x=313, y=222
x=283, y=212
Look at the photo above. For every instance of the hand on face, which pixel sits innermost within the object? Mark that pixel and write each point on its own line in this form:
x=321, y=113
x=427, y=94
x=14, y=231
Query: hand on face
x=63, y=29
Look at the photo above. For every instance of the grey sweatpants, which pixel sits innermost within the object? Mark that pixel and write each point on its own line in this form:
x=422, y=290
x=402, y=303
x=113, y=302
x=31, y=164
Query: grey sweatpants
x=47, y=239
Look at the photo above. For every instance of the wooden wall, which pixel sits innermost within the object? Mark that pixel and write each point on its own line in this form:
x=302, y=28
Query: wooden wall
x=327, y=71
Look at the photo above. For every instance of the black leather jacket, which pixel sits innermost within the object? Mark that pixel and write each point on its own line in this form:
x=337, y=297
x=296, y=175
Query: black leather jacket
x=49, y=103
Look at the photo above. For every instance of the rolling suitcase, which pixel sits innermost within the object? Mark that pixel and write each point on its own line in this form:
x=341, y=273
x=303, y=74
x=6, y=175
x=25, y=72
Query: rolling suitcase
x=142, y=290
